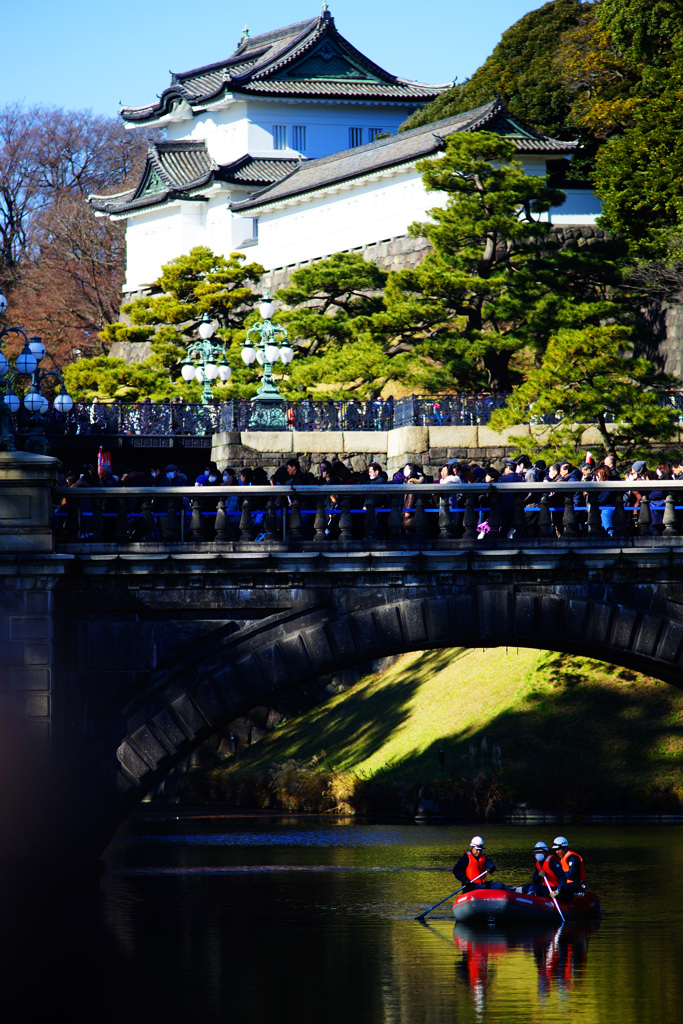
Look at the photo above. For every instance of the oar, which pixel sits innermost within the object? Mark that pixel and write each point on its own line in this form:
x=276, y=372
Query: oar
x=420, y=917
x=557, y=905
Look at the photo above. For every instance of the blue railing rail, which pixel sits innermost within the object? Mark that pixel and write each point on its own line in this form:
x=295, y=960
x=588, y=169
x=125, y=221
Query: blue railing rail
x=373, y=514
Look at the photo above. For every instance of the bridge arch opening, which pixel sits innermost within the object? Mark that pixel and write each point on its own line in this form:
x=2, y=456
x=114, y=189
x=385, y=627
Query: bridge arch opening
x=184, y=704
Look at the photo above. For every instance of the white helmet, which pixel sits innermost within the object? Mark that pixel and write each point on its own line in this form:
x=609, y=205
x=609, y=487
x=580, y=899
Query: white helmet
x=477, y=841
x=560, y=841
x=540, y=846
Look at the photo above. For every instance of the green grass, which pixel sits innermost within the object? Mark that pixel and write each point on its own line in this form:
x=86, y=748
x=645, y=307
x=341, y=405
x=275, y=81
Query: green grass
x=573, y=734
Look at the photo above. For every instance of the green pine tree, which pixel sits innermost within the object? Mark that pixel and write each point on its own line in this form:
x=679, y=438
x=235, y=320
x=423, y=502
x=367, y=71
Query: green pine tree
x=497, y=283
x=590, y=376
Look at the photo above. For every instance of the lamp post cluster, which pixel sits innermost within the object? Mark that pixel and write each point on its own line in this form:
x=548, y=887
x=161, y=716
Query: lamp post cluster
x=36, y=404
x=205, y=361
x=272, y=345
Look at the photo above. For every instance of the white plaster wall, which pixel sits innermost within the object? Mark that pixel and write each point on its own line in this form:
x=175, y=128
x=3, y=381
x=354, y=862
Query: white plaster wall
x=327, y=125
x=156, y=237
x=246, y=126
x=581, y=208
x=373, y=210
x=226, y=132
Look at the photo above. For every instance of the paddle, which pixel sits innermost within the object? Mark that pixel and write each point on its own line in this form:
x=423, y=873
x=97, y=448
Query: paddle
x=557, y=905
x=422, y=916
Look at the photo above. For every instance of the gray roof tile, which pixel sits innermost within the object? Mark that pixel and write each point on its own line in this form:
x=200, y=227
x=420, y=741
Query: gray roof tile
x=176, y=168
x=307, y=59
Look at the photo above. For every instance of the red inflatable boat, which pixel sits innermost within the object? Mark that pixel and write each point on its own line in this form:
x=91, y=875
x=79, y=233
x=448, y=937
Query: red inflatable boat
x=499, y=906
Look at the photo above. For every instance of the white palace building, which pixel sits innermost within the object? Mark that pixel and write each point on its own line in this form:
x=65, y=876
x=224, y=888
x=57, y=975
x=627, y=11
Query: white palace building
x=275, y=151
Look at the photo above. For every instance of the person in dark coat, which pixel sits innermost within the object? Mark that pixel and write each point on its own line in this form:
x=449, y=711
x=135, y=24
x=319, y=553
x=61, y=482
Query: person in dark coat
x=507, y=502
x=297, y=477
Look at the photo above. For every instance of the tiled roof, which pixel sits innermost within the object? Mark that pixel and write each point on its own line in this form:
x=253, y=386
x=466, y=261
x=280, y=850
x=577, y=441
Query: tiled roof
x=307, y=59
x=343, y=90
x=404, y=148
x=174, y=169
x=257, y=171
x=171, y=168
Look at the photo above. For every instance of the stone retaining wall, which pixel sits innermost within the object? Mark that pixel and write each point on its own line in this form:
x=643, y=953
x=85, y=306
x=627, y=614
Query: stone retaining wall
x=431, y=447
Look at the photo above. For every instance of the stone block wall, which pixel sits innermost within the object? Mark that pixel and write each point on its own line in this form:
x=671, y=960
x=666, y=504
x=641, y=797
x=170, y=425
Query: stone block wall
x=29, y=573
x=430, y=447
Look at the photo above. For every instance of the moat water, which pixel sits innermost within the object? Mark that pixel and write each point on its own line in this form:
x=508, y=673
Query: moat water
x=265, y=920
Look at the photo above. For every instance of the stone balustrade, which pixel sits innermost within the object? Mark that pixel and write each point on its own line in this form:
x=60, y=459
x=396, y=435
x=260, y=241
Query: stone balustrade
x=365, y=515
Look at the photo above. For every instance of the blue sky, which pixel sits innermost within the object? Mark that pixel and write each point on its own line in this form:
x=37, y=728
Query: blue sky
x=97, y=56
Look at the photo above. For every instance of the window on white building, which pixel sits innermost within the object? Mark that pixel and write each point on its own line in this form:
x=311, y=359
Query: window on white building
x=355, y=137
x=254, y=227
x=279, y=136
x=299, y=137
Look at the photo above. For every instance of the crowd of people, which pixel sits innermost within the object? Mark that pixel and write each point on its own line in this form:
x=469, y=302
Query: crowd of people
x=456, y=474
x=560, y=872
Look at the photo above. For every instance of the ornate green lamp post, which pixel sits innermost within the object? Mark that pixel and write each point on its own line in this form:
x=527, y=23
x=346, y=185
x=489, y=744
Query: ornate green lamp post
x=204, y=361
x=35, y=403
x=268, y=404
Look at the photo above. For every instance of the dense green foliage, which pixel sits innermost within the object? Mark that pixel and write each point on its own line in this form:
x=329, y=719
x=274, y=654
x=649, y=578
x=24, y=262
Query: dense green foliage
x=497, y=282
x=522, y=70
x=623, y=66
x=591, y=374
x=191, y=287
x=330, y=302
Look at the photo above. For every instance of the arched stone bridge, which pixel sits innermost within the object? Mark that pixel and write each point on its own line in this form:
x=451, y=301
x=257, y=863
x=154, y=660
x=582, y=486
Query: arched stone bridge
x=127, y=657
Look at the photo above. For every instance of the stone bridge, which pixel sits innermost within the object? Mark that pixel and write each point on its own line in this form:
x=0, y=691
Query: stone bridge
x=120, y=656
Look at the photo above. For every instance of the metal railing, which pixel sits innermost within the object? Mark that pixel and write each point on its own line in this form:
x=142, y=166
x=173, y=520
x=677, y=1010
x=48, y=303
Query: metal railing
x=185, y=419
x=370, y=515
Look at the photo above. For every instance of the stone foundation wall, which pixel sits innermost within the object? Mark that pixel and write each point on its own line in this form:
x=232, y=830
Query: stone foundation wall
x=430, y=447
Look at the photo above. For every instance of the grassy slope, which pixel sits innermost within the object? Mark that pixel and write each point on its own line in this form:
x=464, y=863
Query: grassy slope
x=614, y=738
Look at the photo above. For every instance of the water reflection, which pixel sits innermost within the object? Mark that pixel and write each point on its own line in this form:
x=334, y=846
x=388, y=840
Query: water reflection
x=560, y=955
x=315, y=923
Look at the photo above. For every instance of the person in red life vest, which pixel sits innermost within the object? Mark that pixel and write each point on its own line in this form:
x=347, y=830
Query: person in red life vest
x=573, y=867
x=547, y=867
x=474, y=862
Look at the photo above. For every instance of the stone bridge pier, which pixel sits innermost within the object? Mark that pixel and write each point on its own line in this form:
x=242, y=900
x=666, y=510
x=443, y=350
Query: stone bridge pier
x=118, y=660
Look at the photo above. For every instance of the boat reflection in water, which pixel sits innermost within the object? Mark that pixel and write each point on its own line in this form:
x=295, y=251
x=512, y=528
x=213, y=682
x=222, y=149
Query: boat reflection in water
x=560, y=955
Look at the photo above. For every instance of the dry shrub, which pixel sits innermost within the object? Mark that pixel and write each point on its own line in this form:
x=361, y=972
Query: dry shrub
x=311, y=786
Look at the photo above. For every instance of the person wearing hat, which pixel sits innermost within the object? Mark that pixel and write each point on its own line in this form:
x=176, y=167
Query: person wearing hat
x=572, y=865
x=473, y=866
x=549, y=877
x=172, y=477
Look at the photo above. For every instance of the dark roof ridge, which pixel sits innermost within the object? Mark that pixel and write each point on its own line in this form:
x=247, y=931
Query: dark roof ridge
x=180, y=76
x=267, y=38
x=175, y=144
x=307, y=41
x=259, y=66
x=247, y=158
x=270, y=61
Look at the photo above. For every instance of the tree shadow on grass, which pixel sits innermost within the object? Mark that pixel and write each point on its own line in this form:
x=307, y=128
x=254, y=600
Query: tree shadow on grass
x=590, y=738
x=584, y=738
